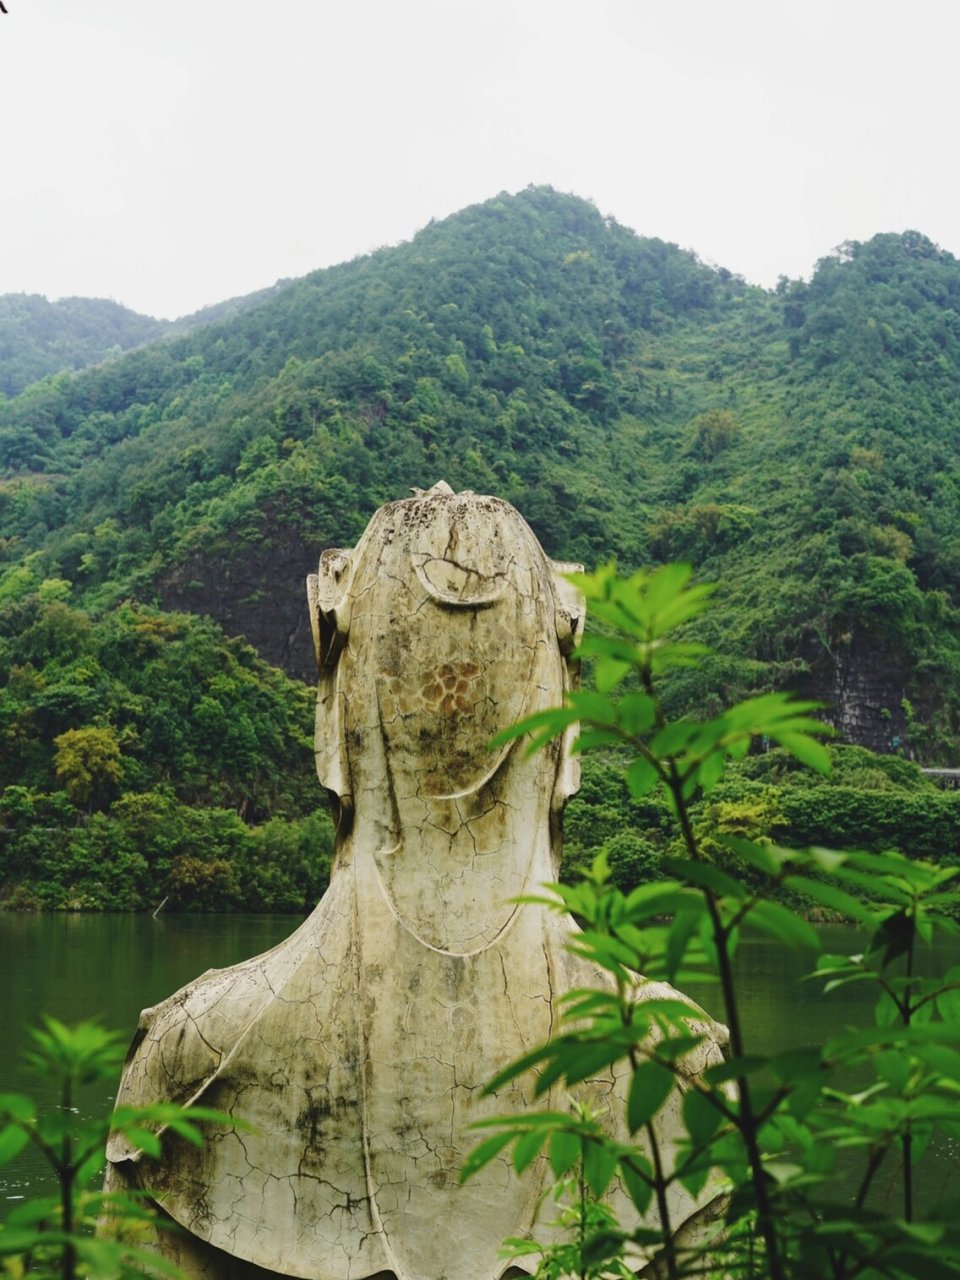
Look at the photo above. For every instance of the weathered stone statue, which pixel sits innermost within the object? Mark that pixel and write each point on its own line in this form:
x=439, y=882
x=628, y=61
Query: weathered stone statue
x=357, y=1048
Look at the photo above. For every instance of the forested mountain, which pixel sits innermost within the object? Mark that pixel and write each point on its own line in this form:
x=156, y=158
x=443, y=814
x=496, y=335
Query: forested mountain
x=800, y=446
x=38, y=337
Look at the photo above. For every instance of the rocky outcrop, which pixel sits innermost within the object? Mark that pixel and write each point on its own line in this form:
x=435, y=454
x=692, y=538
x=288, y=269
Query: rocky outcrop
x=250, y=590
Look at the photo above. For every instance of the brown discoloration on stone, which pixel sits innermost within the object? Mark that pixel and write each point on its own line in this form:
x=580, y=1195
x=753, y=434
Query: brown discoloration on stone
x=357, y=1049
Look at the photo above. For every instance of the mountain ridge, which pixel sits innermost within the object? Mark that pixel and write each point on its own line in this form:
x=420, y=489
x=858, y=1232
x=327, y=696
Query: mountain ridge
x=797, y=444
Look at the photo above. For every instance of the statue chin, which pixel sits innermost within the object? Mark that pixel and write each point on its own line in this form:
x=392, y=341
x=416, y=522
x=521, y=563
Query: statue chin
x=358, y=1048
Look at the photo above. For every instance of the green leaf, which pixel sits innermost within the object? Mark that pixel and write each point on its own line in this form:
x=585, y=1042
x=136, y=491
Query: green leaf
x=893, y=1068
x=32, y=1212
x=659, y=898
x=12, y=1141
x=711, y=771
x=147, y=1141
x=586, y=1060
x=17, y=1106
x=554, y=720
x=483, y=1153
x=701, y=1116
x=681, y=930
x=650, y=1087
x=518, y=1066
x=669, y=1011
x=828, y=895
x=677, y=653
x=514, y=1247
x=638, y=1187
x=596, y=646
x=734, y=1068
x=805, y=749
x=105, y=1258
x=888, y=864
x=948, y=1001
x=527, y=1148
x=564, y=1151
x=641, y=776
x=895, y=936
x=608, y=672
x=680, y=609
x=526, y=1120
x=941, y=1058
x=765, y=712
x=636, y=713
x=663, y=587
x=593, y=707
x=590, y=739
x=599, y=1165
x=852, y=1044
x=768, y=859
x=781, y=923
x=580, y=1002
x=803, y=1072
x=705, y=876
x=673, y=1048
x=673, y=738
x=14, y=1240
x=695, y=1179
x=600, y=1246
x=605, y=947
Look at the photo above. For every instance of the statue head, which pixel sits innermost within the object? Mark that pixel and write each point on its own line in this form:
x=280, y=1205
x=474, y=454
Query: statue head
x=447, y=606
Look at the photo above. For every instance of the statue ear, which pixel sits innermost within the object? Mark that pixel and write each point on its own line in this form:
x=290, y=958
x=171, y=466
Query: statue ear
x=571, y=608
x=328, y=591
x=571, y=615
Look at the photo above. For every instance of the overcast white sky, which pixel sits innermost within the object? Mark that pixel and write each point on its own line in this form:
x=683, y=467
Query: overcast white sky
x=170, y=155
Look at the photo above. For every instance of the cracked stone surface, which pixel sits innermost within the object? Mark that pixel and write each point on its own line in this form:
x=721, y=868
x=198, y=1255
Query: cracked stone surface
x=357, y=1049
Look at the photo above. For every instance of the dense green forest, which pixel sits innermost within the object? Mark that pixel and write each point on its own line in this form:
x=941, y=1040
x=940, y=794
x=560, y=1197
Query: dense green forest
x=38, y=337
x=148, y=756
x=799, y=446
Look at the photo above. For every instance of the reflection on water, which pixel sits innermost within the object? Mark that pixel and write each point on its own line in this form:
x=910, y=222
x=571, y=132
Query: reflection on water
x=112, y=966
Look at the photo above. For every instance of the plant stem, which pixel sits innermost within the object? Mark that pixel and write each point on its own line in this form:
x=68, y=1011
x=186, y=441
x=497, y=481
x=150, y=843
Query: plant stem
x=660, y=1187
x=747, y=1120
x=659, y=1179
x=582, y=1230
x=906, y=1142
x=66, y=1173
x=877, y=1156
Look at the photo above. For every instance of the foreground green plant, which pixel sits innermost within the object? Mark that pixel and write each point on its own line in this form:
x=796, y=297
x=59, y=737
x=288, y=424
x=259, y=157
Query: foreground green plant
x=55, y=1235
x=763, y=1131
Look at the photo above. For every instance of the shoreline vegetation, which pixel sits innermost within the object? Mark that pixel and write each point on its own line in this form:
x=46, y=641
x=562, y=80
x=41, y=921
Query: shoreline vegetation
x=149, y=756
x=145, y=847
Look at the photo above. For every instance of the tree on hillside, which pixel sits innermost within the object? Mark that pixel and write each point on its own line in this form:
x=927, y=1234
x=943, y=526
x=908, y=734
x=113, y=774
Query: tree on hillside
x=88, y=763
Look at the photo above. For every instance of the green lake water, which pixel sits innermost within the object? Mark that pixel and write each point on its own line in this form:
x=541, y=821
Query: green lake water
x=112, y=966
